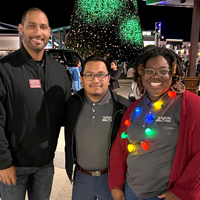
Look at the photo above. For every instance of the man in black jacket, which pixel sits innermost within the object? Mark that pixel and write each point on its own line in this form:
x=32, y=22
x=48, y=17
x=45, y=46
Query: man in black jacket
x=92, y=119
x=33, y=92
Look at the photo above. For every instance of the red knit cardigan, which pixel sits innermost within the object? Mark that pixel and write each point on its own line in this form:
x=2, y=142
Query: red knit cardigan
x=184, y=179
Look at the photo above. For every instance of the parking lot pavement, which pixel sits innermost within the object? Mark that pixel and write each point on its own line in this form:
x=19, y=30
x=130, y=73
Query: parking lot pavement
x=62, y=188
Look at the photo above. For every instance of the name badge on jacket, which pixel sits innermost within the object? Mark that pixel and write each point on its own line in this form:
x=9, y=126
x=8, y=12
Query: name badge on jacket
x=34, y=83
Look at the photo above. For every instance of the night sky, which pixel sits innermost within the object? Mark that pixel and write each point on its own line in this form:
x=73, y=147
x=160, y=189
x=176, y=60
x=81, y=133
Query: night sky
x=176, y=22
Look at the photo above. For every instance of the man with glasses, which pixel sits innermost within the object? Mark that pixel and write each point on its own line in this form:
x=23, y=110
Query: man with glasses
x=92, y=119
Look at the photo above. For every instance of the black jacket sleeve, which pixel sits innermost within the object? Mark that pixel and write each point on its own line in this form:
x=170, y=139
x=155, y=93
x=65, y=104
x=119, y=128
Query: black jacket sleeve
x=116, y=76
x=5, y=155
x=68, y=87
x=67, y=92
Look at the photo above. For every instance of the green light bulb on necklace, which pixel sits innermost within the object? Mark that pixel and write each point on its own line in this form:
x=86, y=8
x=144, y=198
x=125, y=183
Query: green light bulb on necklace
x=148, y=131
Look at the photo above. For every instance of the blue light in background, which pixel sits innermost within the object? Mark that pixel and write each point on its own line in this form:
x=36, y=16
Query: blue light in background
x=163, y=2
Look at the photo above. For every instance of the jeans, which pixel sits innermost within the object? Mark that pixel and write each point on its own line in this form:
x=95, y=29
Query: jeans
x=36, y=180
x=88, y=187
x=129, y=195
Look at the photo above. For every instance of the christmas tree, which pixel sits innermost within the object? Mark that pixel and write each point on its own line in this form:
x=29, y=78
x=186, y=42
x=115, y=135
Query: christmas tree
x=106, y=26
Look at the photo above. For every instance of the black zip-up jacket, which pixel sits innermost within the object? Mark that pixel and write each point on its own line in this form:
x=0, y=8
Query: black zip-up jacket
x=73, y=108
x=30, y=115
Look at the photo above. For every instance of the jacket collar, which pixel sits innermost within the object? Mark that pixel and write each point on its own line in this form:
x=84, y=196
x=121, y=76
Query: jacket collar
x=113, y=95
x=27, y=59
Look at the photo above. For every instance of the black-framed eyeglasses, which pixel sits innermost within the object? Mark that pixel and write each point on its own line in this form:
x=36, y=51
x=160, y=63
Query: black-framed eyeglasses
x=90, y=76
x=151, y=72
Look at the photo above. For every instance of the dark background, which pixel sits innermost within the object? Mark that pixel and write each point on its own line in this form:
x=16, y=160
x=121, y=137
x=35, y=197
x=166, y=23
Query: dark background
x=176, y=21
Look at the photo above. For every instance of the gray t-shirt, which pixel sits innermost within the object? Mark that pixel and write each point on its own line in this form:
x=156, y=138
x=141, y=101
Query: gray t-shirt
x=93, y=133
x=149, y=170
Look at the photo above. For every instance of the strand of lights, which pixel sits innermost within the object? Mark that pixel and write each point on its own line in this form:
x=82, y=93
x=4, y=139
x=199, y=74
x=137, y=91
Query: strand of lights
x=148, y=131
x=144, y=145
x=101, y=11
x=171, y=94
x=127, y=122
x=130, y=31
x=135, y=4
x=124, y=135
x=94, y=26
x=131, y=147
x=158, y=105
x=136, y=114
x=148, y=119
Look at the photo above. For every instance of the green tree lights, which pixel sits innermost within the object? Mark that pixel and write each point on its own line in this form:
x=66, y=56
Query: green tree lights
x=101, y=11
x=135, y=4
x=130, y=31
x=106, y=26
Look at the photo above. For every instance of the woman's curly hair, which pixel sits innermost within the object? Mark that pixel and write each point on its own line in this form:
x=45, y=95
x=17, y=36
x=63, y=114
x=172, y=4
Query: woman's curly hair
x=174, y=61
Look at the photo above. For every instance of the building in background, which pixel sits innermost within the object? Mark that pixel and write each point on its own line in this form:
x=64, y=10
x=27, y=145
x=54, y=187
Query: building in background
x=9, y=38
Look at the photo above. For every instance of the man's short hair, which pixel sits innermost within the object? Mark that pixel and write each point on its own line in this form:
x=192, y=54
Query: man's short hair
x=29, y=10
x=95, y=59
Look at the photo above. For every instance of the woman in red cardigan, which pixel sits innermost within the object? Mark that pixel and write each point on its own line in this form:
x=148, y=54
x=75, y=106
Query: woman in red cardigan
x=156, y=153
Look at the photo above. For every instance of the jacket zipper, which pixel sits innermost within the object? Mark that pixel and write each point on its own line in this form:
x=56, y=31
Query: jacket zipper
x=111, y=137
x=38, y=72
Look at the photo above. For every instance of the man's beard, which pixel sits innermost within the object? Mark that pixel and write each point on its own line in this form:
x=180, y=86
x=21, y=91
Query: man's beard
x=27, y=41
x=95, y=94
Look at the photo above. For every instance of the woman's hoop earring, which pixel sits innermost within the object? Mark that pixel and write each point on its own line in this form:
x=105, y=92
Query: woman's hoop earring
x=178, y=87
x=138, y=89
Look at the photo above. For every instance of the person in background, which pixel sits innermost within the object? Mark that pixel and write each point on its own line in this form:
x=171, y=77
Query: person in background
x=156, y=153
x=198, y=85
x=33, y=91
x=93, y=116
x=114, y=73
x=185, y=67
x=107, y=58
x=124, y=67
x=134, y=93
x=75, y=72
x=198, y=68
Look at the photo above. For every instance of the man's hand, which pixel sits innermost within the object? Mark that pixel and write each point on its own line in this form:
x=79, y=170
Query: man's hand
x=8, y=176
x=169, y=196
x=118, y=194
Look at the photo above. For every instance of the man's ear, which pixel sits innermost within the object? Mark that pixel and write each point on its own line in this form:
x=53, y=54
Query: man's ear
x=49, y=31
x=109, y=77
x=20, y=27
x=81, y=79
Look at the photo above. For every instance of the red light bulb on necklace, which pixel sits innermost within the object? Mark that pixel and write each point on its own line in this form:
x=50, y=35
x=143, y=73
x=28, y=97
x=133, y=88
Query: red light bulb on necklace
x=144, y=145
x=127, y=122
x=171, y=94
